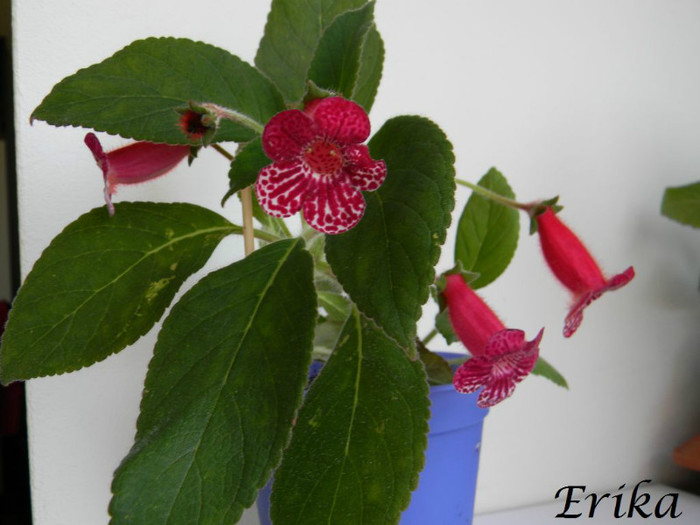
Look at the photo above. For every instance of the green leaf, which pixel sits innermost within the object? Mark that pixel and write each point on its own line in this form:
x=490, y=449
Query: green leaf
x=221, y=393
x=325, y=338
x=370, y=72
x=292, y=33
x=682, y=204
x=487, y=233
x=336, y=305
x=544, y=369
x=103, y=282
x=358, y=444
x=444, y=326
x=336, y=63
x=436, y=367
x=245, y=167
x=135, y=93
x=386, y=263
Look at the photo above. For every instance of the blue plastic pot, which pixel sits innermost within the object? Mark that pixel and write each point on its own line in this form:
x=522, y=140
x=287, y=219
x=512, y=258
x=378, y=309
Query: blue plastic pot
x=447, y=485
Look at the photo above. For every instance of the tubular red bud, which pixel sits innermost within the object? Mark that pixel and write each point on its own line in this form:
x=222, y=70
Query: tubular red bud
x=574, y=267
x=472, y=320
x=137, y=162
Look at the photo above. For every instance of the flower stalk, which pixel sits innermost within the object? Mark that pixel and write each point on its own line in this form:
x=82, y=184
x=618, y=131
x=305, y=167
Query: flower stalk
x=222, y=113
x=492, y=195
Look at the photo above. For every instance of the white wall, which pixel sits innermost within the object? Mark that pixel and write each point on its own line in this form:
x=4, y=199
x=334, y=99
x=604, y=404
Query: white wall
x=593, y=100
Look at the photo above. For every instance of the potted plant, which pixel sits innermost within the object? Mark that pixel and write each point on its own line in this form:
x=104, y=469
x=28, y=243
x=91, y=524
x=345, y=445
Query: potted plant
x=225, y=403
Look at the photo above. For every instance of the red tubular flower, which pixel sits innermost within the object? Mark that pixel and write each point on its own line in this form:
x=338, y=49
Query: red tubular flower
x=501, y=357
x=319, y=164
x=134, y=163
x=574, y=266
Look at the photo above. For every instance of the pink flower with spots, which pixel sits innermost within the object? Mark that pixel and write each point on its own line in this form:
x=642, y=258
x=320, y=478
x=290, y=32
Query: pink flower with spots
x=575, y=267
x=501, y=357
x=320, y=165
x=137, y=162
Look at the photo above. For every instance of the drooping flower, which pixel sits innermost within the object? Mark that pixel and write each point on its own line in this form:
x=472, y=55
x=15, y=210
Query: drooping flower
x=575, y=267
x=501, y=357
x=320, y=165
x=137, y=162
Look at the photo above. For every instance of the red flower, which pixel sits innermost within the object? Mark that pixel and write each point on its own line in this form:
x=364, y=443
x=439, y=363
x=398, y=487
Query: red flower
x=501, y=357
x=134, y=163
x=319, y=164
x=574, y=266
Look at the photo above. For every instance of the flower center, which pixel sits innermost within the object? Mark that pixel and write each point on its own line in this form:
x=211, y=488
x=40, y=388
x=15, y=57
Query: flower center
x=323, y=157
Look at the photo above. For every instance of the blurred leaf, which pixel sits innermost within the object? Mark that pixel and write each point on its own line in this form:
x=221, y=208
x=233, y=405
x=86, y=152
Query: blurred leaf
x=437, y=369
x=222, y=391
x=104, y=282
x=682, y=204
x=544, y=369
x=337, y=306
x=444, y=326
x=326, y=337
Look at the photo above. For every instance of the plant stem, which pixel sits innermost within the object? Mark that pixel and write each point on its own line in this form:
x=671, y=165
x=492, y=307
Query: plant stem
x=430, y=336
x=247, y=206
x=484, y=192
x=259, y=234
x=248, y=232
x=221, y=112
x=222, y=151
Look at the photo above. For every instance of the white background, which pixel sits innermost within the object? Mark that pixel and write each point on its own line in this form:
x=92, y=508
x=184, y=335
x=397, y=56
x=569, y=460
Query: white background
x=594, y=100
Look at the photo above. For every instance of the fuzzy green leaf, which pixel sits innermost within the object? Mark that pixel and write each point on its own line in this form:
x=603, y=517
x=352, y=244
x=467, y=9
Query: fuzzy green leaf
x=102, y=283
x=336, y=63
x=135, y=93
x=370, y=73
x=292, y=33
x=221, y=393
x=487, y=233
x=544, y=369
x=359, y=440
x=386, y=263
x=682, y=204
